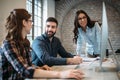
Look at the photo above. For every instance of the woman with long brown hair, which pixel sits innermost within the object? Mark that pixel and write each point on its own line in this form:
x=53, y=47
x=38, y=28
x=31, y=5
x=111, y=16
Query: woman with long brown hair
x=15, y=61
x=87, y=35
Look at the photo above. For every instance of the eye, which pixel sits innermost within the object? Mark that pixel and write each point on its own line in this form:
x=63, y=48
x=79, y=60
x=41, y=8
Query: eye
x=84, y=17
x=53, y=26
x=48, y=26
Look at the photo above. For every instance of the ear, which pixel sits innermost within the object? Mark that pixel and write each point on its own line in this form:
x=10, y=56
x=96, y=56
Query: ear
x=24, y=22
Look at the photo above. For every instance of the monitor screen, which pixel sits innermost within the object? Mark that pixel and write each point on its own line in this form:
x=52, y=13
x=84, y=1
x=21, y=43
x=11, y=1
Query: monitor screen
x=105, y=40
x=104, y=34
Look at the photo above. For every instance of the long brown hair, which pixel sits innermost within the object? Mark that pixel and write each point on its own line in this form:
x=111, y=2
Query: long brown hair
x=90, y=24
x=14, y=26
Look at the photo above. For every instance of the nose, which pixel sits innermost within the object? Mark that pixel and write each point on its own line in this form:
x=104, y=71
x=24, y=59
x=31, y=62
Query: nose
x=32, y=23
x=82, y=19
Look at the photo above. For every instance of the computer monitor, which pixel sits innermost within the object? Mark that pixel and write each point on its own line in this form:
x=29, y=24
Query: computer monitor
x=104, y=35
x=105, y=40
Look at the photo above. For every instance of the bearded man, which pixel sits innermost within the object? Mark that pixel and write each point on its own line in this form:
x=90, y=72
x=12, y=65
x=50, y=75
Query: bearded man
x=46, y=48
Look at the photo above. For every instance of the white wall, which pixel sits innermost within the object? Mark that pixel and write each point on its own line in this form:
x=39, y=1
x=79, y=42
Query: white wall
x=48, y=11
x=5, y=7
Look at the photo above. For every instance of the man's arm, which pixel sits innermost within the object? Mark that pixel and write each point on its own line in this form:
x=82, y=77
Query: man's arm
x=39, y=48
x=71, y=59
x=62, y=52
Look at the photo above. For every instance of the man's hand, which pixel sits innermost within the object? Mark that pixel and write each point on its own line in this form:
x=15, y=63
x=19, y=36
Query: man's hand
x=74, y=60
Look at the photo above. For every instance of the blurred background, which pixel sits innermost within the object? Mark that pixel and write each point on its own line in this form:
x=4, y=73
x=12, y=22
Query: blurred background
x=64, y=11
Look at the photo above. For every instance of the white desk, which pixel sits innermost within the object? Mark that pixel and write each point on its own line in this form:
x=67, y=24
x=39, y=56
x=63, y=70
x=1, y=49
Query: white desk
x=90, y=71
x=92, y=74
x=89, y=68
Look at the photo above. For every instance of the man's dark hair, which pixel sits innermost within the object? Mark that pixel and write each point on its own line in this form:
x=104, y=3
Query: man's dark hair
x=52, y=19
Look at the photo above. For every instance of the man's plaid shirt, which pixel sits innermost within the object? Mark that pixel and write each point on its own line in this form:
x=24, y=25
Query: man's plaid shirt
x=13, y=64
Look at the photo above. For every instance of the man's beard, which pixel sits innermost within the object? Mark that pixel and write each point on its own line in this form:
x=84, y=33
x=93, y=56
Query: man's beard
x=50, y=35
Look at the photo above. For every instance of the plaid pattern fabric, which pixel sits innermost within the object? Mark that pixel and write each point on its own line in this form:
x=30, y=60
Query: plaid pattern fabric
x=0, y=63
x=13, y=64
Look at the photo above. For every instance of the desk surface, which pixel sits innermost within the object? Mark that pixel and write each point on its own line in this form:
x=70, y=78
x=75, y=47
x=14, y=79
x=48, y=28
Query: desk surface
x=91, y=72
x=89, y=68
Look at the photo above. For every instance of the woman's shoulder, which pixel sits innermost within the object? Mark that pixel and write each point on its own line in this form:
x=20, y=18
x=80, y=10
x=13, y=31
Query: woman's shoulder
x=98, y=23
x=97, y=26
x=9, y=42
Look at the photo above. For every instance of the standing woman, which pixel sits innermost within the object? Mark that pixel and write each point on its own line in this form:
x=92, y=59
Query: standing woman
x=87, y=35
x=15, y=61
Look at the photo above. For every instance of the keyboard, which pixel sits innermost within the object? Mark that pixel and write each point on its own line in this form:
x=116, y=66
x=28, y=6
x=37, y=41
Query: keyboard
x=87, y=59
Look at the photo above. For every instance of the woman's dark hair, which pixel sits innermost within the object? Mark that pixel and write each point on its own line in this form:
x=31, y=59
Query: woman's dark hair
x=90, y=24
x=14, y=26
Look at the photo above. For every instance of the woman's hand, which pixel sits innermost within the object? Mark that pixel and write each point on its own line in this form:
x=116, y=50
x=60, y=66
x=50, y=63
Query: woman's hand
x=46, y=67
x=77, y=74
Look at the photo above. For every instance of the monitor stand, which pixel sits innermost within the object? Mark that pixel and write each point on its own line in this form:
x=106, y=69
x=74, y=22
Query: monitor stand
x=118, y=74
x=105, y=69
x=116, y=61
x=116, y=68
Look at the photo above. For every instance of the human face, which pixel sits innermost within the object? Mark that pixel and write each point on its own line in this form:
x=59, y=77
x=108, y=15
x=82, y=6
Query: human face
x=27, y=26
x=82, y=20
x=51, y=28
